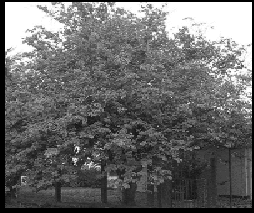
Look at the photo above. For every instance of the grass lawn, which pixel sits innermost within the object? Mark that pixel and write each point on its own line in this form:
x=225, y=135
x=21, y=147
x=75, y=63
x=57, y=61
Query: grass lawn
x=75, y=196
x=71, y=197
x=89, y=198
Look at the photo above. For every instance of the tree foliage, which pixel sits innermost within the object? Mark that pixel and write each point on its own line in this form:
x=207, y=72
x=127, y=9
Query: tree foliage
x=118, y=87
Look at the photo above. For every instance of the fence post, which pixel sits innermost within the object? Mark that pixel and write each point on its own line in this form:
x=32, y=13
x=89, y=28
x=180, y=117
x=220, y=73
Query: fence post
x=150, y=195
x=103, y=182
x=58, y=191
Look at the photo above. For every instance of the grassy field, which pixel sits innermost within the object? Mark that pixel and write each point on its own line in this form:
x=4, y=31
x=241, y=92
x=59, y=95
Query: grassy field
x=90, y=198
x=71, y=197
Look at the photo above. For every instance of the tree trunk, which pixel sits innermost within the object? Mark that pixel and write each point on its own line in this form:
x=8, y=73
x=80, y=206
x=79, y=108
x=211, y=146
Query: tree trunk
x=128, y=195
x=150, y=195
x=10, y=195
x=13, y=193
x=159, y=195
x=103, y=183
x=58, y=191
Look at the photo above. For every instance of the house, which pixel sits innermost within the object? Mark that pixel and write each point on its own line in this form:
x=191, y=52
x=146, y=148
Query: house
x=241, y=170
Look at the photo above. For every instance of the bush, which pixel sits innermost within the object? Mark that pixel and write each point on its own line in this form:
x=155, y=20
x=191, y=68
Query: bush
x=88, y=178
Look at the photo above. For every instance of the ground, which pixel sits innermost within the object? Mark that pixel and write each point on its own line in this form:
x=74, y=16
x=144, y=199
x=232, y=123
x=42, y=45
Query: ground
x=71, y=197
x=90, y=198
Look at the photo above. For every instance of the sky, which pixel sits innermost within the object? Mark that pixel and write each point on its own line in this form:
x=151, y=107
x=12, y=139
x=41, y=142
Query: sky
x=230, y=19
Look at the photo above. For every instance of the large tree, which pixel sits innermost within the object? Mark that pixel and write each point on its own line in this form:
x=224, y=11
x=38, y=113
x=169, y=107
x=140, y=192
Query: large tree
x=119, y=88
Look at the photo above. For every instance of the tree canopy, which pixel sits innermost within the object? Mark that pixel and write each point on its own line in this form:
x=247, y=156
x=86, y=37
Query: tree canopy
x=118, y=87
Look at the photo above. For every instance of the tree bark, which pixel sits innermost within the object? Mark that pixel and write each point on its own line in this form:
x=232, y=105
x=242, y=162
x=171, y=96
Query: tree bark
x=13, y=193
x=103, y=183
x=128, y=195
x=159, y=195
x=10, y=195
x=58, y=191
x=150, y=195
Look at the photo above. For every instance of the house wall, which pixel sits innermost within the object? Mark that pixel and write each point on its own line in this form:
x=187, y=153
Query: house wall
x=248, y=161
x=241, y=170
x=238, y=173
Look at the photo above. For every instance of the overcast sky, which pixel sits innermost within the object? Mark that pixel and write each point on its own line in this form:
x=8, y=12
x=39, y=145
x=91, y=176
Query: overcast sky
x=230, y=19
